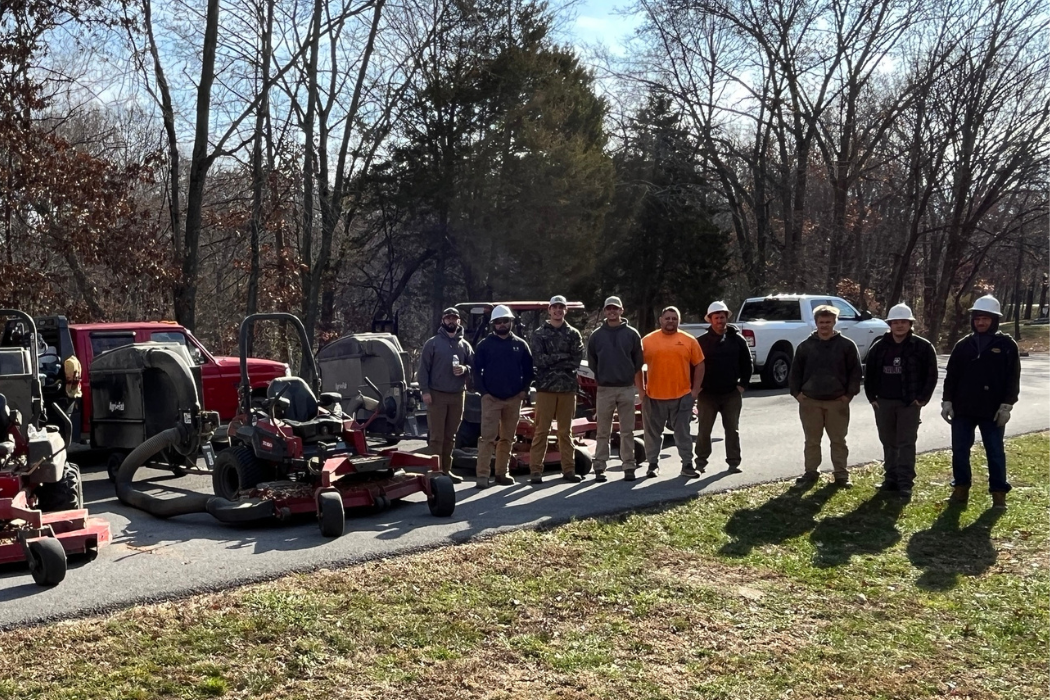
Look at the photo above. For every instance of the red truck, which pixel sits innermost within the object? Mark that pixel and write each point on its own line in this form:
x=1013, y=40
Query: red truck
x=220, y=376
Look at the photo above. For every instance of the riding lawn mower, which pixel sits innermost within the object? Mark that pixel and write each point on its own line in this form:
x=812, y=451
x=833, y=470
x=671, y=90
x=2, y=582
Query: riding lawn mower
x=42, y=515
x=295, y=452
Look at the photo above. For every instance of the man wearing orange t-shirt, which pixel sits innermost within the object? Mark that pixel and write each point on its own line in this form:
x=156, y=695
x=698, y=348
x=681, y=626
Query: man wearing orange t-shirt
x=669, y=386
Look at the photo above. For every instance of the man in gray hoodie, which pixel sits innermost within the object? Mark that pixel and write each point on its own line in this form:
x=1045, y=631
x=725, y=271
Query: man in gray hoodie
x=614, y=354
x=825, y=376
x=444, y=369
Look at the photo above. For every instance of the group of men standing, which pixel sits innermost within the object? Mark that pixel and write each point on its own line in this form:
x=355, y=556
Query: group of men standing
x=673, y=372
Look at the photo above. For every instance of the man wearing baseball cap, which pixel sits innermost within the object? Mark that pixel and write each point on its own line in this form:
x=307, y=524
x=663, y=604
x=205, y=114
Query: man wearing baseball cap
x=557, y=350
x=728, y=372
x=981, y=386
x=900, y=374
x=614, y=354
x=444, y=368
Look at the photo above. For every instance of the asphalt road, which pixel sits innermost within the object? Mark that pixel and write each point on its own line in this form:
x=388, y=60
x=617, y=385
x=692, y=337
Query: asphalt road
x=152, y=559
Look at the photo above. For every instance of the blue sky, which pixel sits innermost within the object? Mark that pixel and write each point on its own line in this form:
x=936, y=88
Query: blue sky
x=597, y=22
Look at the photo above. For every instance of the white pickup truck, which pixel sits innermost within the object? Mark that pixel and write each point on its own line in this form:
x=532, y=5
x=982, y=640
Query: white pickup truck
x=773, y=327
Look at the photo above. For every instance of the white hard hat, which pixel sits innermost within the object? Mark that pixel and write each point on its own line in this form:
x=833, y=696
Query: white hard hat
x=900, y=312
x=501, y=311
x=715, y=307
x=987, y=304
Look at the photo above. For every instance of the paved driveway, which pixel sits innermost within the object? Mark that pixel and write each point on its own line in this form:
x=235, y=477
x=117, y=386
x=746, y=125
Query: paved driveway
x=152, y=559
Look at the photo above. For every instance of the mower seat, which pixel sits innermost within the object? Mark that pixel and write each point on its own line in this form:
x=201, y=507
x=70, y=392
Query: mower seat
x=302, y=404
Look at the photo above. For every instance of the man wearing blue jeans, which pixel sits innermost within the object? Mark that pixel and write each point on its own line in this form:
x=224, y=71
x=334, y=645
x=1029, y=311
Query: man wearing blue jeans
x=980, y=388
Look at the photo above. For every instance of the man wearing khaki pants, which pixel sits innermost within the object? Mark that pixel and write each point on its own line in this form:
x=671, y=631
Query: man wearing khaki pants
x=502, y=375
x=825, y=376
x=444, y=368
x=557, y=350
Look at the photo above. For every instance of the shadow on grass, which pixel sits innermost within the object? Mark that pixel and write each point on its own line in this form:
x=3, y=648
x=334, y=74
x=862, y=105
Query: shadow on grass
x=870, y=528
x=788, y=515
x=946, y=552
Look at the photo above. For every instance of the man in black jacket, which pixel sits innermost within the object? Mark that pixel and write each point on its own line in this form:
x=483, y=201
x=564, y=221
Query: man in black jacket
x=900, y=374
x=728, y=360
x=502, y=375
x=981, y=386
x=825, y=376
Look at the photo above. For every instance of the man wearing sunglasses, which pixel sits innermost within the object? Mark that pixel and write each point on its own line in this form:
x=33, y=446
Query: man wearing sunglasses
x=502, y=375
x=444, y=368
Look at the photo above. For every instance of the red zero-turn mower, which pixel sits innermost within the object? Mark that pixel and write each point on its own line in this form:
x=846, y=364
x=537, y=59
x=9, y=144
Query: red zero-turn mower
x=299, y=454
x=42, y=516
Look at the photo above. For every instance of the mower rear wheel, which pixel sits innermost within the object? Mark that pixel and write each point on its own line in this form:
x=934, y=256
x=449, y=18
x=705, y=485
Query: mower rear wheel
x=65, y=494
x=113, y=464
x=237, y=469
x=442, y=498
x=582, y=461
x=330, y=514
x=47, y=561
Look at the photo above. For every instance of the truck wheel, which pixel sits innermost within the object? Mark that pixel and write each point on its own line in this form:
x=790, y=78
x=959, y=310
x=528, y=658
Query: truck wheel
x=442, y=498
x=331, y=517
x=237, y=469
x=776, y=370
x=65, y=494
x=47, y=561
x=582, y=461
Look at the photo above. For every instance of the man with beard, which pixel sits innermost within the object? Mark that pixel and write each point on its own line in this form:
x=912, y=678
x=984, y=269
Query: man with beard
x=502, y=375
x=557, y=350
x=727, y=361
x=668, y=387
x=900, y=374
x=981, y=386
x=825, y=376
x=614, y=354
x=444, y=368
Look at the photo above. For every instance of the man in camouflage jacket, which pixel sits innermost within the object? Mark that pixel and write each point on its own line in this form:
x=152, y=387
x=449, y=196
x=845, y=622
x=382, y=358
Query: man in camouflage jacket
x=557, y=349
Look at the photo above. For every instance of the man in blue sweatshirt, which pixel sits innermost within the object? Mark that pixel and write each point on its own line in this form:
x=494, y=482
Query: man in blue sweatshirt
x=502, y=375
x=614, y=354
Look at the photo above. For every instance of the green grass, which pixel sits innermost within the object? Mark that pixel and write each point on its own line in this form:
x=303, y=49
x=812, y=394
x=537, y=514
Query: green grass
x=764, y=592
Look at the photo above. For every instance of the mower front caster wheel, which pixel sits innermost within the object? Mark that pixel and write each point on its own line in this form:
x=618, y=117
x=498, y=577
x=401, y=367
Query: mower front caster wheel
x=442, y=498
x=582, y=462
x=113, y=464
x=330, y=514
x=47, y=561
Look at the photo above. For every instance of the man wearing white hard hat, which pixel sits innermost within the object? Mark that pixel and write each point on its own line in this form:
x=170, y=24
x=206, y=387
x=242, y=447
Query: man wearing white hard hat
x=557, y=350
x=728, y=361
x=980, y=388
x=502, y=375
x=614, y=354
x=900, y=375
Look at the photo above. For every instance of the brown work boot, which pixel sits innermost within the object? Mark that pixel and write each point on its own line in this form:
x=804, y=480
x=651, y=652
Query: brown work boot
x=456, y=478
x=999, y=500
x=960, y=496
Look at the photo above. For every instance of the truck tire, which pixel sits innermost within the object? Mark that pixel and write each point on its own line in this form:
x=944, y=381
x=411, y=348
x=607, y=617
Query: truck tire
x=776, y=370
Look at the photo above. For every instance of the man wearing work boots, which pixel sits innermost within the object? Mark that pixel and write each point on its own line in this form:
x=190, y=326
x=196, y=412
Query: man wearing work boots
x=672, y=378
x=825, y=376
x=727, y=361
x=557, y=350
x=502, y=375
x=444, y=368
x=900, y=374
x=614, y=354
x=980, y=388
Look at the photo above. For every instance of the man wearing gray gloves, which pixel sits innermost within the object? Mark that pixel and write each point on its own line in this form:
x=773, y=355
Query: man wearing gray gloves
x=980, y=388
